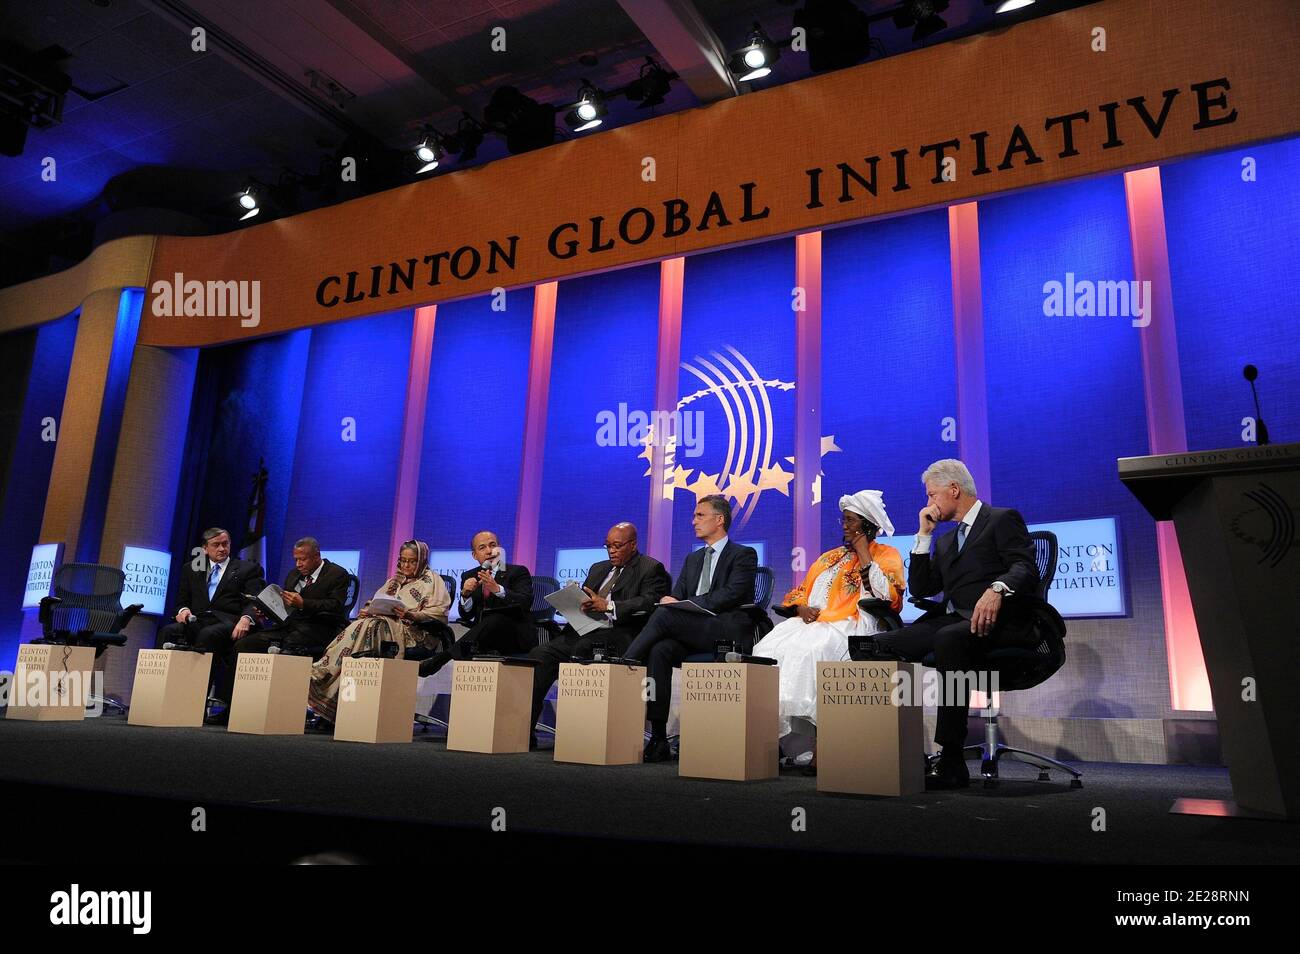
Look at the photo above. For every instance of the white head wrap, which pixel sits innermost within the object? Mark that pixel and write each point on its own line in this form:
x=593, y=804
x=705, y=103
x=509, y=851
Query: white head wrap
x=869, y=504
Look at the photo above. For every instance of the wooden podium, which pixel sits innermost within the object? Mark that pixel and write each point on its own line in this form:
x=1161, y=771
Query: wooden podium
x=1235, y=513
x=376, y=700
x=729, y=721
x=600, y=714
x=491, y=706
x=270, y=695
x=51, y=683
x=866, y=745
x=170, y=688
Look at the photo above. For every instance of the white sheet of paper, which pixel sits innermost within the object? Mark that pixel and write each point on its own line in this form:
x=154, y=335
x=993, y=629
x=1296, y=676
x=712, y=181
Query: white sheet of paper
x=271, y=600
x=689, y=607
x=568, y=601
x=383, y=605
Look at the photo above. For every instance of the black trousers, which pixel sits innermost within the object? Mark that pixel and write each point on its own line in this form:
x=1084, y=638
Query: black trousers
x=956, y=649
x=211, y=634
x=257, y=641
x=671, y=636
x=561, y=649
x=494, y=634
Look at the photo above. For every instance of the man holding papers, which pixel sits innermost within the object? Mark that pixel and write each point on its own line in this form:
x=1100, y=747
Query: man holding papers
x=611, y=607
x=313, y=596
x=718, y=578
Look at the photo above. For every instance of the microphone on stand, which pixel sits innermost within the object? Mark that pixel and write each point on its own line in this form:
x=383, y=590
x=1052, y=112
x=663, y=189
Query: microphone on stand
x=1250, y=373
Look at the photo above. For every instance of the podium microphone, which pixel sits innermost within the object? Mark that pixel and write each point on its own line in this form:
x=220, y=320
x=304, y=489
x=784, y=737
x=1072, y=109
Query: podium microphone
x=1250, y=373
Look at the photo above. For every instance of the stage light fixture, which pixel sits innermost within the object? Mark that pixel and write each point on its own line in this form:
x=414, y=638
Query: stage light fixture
x=526, y=123
x=589, y=111
x=839, y=34
x=650, y=87
x=467, y=138
x=1007, y=6
x=430, y=153
x=923, y=15
x=754, y=60
x=248, y=202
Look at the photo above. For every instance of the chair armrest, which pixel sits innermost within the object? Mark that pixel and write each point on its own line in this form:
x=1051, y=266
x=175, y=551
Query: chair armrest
x=46, y=613
x=125, y=617
x=928, y=606
x=785, y=611
x=882, y=610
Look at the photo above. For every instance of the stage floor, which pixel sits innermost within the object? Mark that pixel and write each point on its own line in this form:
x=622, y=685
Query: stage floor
x=131, y=792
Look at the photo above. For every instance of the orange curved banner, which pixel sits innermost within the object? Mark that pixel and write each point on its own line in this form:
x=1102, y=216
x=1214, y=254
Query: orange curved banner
x=1115, y=85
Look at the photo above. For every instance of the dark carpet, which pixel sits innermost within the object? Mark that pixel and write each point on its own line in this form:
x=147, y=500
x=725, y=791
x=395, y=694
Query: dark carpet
x=288, y=795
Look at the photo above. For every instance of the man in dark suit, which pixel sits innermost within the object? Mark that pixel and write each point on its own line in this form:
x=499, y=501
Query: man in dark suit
x=496, y=602
x=980, y=567
x=720, y=578
x=622, y=590
x=213, y=611
x=314, y=593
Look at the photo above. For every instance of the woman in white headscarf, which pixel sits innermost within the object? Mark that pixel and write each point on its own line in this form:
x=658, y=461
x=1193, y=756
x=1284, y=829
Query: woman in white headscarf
x=824, y=610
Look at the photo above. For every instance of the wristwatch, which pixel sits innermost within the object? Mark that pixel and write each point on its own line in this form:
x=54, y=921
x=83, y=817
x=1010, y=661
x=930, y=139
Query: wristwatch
x=997, y=586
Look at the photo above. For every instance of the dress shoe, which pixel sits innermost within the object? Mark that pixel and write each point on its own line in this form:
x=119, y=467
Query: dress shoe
x=220, y=718
x=810, y=770
x=949, y=772
x=658, y=750
x=319, y=725
x=435, y=662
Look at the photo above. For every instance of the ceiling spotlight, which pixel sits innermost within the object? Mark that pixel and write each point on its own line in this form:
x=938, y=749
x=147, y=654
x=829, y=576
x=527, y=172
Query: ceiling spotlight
x=526, y=123
x=248, y=202
x=468, y=137
x=1006, y=6
x=650, y=88
x=923, y=15
x=429, y=152
x=754, y=60
x=839, y=34
x=589, y=111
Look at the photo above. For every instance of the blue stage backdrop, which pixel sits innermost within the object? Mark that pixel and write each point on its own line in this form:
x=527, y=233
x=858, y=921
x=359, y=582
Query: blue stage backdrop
x=349, y=436
x=474, y=422
x=888, y=388
x=29, y=472
x=1235, y=266
x=737, y=384
x=247, y=399
x=1065, y=400
x=602, y=371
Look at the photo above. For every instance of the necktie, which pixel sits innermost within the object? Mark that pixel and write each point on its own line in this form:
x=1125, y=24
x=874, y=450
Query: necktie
x=608, y=586
x=961, y=536
x=706, y=574
x=212, y=580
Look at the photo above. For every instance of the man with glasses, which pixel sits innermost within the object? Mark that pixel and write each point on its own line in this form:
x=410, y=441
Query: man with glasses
x=621, y=590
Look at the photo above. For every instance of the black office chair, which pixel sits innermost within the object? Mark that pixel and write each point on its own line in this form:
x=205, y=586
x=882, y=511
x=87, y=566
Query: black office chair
x=543, y=613
x=453, y=588
x=1022, y=668
x=86, y=610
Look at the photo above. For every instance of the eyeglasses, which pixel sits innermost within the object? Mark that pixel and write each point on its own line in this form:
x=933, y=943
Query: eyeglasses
x=618, y=546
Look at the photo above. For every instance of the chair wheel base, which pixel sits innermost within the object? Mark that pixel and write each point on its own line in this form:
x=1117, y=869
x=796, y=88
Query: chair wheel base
x=1076, y=783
